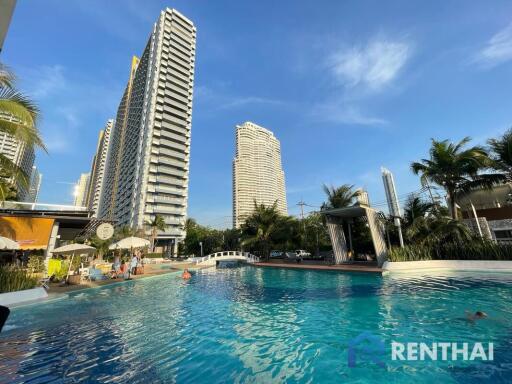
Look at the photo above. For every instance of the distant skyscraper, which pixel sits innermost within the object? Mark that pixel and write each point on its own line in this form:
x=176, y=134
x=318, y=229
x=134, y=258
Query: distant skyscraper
x=148, y=164
x=98, y=168
x=81, y=188
x=21, y=155
x=257, y=172
x=392, y=198
x=34, y=186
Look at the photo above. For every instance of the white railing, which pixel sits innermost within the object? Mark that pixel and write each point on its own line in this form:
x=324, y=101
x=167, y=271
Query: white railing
x=225, y=255
x=40, y=206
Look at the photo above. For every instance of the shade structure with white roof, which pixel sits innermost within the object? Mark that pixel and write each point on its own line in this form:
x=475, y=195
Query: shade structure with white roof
x=8, y=244
x=335, y=219
x=130, y=243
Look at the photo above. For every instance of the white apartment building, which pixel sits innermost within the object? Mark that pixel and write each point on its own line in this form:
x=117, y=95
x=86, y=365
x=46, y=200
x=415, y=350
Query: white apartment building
x=98, y=168
x=81, y=188
x=21, y=155
x=148, y=164
x=257, y=172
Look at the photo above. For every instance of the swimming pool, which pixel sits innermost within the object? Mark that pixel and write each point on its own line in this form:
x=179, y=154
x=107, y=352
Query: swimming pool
x=258, y=325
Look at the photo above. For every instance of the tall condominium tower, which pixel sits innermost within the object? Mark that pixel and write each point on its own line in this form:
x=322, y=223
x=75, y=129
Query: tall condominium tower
x=257, y=172
x=81, y=188
x=34, y=186
x=148, y=165
x=392, y=198
x=115, y=153
x=20, y=154
x=98, y=168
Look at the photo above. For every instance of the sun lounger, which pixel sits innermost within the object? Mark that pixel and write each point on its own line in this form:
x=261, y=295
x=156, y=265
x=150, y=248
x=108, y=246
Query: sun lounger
x=96, y=274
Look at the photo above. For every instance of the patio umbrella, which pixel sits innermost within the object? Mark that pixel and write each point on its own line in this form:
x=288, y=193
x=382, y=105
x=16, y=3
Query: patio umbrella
x=130, y=243
x=9, y=244
x=73, y=249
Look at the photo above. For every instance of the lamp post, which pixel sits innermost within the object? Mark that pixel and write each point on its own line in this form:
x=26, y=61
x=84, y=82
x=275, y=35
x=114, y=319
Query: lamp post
x=201, y=245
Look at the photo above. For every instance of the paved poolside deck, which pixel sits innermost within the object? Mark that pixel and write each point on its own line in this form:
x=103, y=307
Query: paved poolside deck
x=364, y=268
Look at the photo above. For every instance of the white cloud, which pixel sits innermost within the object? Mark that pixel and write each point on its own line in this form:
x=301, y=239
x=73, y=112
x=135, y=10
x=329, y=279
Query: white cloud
x=44, y=81
x=221, y=100
x=372, y=66
x=497, y=50
x=346, y=115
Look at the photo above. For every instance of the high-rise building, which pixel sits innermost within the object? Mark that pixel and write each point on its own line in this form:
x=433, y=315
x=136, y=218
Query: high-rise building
x=21, y=155
x=257, y=172
x=6, y=11
x=81, y=188
x=148, y=164
x=115, y=153
x=98, y=168
x=392, y=198
x=34, y=186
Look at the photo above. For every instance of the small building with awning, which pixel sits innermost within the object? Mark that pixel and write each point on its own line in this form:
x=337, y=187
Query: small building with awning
x=42, y=229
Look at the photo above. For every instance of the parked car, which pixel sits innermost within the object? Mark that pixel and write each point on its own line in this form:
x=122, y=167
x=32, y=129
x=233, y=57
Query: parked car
x=302, y=253
x=276, y=254
x=292, y=256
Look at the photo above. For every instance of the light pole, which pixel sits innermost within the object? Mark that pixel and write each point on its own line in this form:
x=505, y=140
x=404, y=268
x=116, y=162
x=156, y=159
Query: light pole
x=201, y=245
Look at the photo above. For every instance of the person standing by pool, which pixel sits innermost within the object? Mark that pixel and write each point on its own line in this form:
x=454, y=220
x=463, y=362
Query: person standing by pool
x=124, y=269
x=133, y=264
x=142, y=261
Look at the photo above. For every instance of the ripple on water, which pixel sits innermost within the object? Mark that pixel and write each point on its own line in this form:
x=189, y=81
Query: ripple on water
x=255, y=325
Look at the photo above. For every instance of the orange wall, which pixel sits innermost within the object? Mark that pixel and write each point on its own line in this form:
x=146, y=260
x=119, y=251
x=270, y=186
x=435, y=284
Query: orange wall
x=29, y=232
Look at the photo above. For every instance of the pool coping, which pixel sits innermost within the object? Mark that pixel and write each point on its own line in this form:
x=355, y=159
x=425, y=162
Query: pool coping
x=351, y=268
x=432, y=266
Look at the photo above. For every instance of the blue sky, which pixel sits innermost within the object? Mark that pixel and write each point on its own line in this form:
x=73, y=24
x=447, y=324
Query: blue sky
x=347, y=87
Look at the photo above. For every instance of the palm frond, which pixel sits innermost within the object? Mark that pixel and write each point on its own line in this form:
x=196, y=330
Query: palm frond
x=7, y=77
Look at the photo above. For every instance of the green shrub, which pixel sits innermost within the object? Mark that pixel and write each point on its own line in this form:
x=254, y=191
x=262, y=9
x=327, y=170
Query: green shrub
x=15, y=279
x=154, y=255
x=474, y=250
x=36, y=263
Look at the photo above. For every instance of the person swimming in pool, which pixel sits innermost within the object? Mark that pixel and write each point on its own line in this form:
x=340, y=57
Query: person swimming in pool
x=186, y=274
x=473, y=317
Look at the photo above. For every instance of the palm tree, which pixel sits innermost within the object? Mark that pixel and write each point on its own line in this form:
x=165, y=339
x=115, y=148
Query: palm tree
x=158, y=224
x=456, y=169
x=415, y=208
x=501, y=151
x=261, y=228
x=340, y=197
x=438, y=229
x=18, y=118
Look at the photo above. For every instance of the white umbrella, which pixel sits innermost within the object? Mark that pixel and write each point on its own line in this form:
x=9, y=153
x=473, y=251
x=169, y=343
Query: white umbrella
x=130, y=243
x=72, y=249
x=6, y=243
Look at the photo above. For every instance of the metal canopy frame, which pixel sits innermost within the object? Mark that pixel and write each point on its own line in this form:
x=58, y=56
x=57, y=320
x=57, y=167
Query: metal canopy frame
x=335, y=219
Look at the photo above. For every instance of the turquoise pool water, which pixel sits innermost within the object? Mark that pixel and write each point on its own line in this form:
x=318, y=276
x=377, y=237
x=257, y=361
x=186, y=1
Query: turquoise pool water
x=258, y=325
